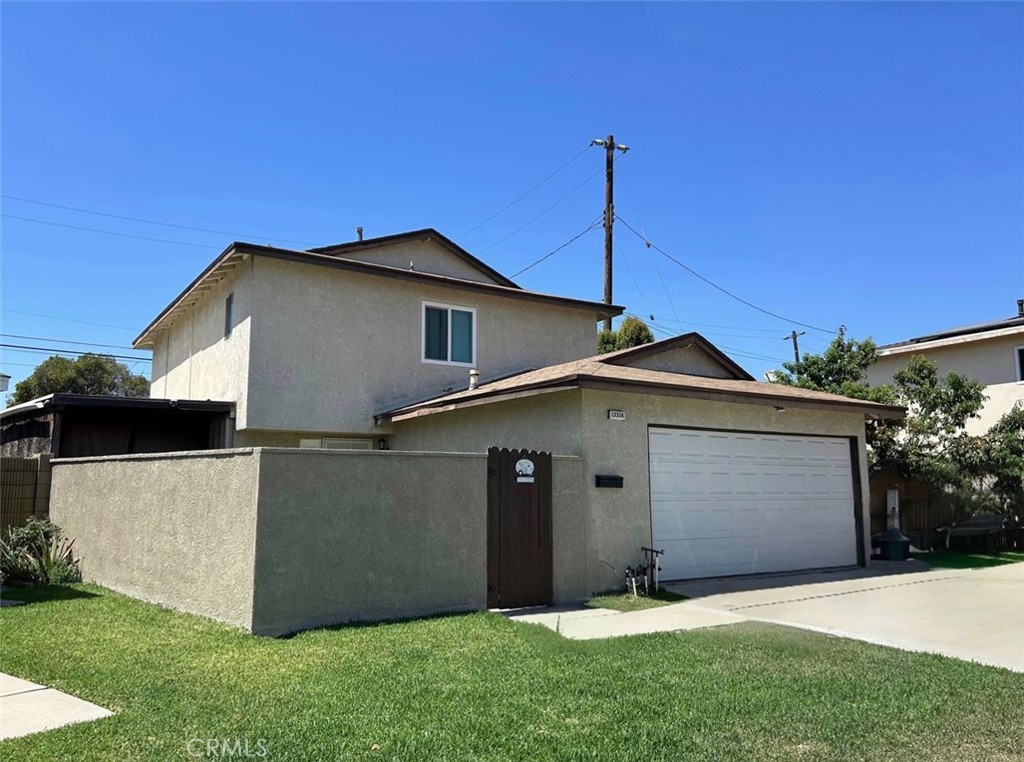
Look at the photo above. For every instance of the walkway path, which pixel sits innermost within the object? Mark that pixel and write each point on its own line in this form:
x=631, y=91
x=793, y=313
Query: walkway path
x=29, y=708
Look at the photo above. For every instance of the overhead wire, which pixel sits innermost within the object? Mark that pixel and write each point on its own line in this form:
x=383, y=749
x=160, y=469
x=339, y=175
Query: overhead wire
x=57, y=350
x=711, y=283
x=534, y=219
x=149, y=222
x=67, y=319
x=64, y=341
x=109, y=232
x=524, y=195
x=557, y=249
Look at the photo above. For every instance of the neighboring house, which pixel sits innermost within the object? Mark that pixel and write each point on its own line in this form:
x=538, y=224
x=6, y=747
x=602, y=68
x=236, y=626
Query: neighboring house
x=992, y=353
x=409, y=343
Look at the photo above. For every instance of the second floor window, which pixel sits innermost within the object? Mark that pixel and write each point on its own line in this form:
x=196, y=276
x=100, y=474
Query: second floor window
x=449, y=334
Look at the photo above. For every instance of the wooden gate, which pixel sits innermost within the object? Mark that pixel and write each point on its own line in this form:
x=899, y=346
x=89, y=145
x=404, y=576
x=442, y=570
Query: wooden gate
x=518, y=528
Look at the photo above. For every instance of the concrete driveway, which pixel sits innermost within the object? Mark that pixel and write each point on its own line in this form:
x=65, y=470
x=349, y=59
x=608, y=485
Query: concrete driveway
x=972, y=614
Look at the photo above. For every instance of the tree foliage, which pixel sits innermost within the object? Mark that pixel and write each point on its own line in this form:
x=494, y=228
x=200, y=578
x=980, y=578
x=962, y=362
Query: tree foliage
x=931, y=445
x=88, y=374
x=632, y=332
x=1002, y=459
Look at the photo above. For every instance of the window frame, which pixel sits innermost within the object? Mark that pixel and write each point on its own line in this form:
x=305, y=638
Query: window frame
x=423, y=333
x=1018, y=361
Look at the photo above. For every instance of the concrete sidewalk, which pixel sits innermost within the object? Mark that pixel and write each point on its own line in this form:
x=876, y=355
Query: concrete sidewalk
x=29, y=708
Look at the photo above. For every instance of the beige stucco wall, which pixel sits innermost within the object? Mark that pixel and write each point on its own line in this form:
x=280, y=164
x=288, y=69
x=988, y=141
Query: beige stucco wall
x=614, y=523
x=330, y=348
x=545, y=422
x=317, y=352
x=424, y=256
x=690, y=360
x=177, y=529
x=277, y=540
x=368, y=536
x=990, y=361
x=192, y=359
x=621, y=518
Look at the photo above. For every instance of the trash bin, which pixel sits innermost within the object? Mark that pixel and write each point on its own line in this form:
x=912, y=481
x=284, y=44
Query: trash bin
x=893, y=546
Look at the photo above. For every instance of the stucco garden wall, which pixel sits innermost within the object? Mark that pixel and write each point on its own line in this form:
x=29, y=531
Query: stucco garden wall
x=347, y=536
x=278, y=540
x=177, y=529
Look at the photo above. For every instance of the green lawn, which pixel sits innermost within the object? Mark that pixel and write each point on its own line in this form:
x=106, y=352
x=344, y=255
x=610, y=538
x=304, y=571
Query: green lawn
x=483, y=687
x=626, y=602
x=955, y=560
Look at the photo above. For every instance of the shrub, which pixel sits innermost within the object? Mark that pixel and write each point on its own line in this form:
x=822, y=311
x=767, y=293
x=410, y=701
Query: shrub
x=38, y=554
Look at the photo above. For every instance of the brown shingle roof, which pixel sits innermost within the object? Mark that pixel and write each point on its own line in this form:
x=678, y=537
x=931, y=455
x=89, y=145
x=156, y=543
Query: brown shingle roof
x=596, y=373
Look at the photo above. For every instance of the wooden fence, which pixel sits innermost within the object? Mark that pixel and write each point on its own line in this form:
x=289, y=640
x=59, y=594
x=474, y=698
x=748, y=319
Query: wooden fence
x=24, y=490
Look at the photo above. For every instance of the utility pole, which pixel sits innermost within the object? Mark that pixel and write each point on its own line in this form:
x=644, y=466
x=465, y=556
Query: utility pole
x=609, y=213
x=793, y=335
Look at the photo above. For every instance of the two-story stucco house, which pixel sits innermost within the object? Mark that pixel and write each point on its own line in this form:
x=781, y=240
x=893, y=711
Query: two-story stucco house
x=388, y=368
x=991, y=352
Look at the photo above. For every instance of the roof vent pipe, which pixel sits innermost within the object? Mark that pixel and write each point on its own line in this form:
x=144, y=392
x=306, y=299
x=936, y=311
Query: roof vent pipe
x=1020, y=308
x=474, y=379
x=359, y=232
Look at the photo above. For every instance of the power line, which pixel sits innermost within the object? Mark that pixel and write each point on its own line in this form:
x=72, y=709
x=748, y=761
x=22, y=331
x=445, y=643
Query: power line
x=668, y=332
x=520, y=198
x=554, y=251
x=151, y=222
x=55, y=350
x=716, y=286
x=769, y=333
x=67, y=319
x=671, y=303
x=526, y=225
x=109, y=232
x=64, y=341
x=632, y=275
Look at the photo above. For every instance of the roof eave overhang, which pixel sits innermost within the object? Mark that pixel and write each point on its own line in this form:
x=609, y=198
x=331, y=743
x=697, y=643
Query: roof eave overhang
x=868, y=410
x=238, y=252
x=904, y=348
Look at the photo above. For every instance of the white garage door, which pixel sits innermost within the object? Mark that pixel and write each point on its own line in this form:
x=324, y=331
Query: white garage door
x=730, y=503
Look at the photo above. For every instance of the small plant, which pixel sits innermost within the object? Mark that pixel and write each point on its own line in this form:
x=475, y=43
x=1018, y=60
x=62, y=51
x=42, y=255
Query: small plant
x=38, y=554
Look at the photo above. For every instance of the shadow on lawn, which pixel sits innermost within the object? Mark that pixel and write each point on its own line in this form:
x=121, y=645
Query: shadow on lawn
x=42, y=594
x=957, y=560
x=358, y=624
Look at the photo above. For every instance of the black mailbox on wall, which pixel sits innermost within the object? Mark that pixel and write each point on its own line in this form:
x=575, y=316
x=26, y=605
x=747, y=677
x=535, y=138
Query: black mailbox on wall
x=607, y=480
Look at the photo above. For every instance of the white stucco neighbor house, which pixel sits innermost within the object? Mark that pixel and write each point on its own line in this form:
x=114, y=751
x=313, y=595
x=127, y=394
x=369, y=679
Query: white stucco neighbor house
x=991, y=352
x=376, y=385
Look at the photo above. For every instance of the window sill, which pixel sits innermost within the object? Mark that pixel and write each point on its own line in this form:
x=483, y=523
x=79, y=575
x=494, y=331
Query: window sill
x=449, y=363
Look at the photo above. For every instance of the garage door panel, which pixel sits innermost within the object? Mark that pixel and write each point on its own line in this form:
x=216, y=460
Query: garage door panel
x=729, y=503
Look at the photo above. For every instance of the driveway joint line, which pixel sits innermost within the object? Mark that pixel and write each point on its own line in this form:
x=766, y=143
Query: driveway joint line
x=839, y=593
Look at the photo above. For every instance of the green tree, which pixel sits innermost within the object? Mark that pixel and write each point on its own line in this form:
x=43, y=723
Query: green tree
x=1003, y=459
x=842, y=369
x=931, y=444
x=632, y=332
x=89, y=374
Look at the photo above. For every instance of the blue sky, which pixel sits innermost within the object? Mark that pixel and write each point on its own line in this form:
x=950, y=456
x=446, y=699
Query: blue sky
x=858, y=164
